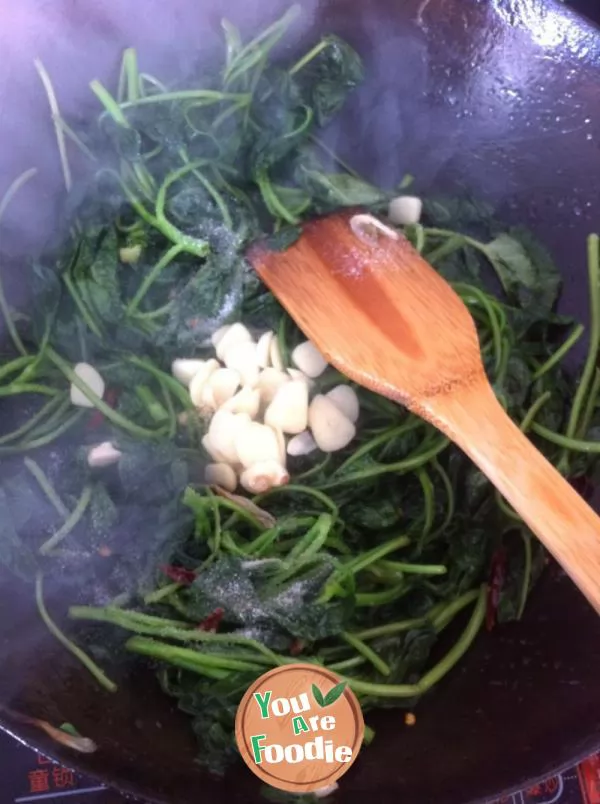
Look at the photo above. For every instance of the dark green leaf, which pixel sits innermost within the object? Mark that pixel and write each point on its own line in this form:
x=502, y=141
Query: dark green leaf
x=335, y=693
x=318, y=695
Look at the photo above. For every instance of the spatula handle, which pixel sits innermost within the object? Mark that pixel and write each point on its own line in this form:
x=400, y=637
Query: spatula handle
x=549, y=505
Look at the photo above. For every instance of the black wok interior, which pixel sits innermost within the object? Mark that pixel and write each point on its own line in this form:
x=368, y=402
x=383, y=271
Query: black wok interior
x=497, y=98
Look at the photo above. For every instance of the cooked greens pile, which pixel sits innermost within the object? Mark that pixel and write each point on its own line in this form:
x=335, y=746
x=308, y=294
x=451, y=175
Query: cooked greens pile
x=382, y=561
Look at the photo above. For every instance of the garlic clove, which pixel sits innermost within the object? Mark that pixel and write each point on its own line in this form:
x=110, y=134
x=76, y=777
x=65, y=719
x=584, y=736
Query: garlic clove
x=405, y=210
x=243, y=358
x=296, y=374
x=223, y=383
x=263, y=349
x=330, y=428
x=256, y=443
x=245, y=401
x=211, y=449
x=185, y=369
x=104, y=454
x=269, y=381
x=94, y=382
x=301, y=444
x=199, y=379
x=223, y=430
x=345, y=398
x=219, y=334
x=261, y=477
x=130, y=254
x=308, y=359
x=281, y=443
x=289, y=409
x=275, y=355
x=221, y=474
x=236, y=333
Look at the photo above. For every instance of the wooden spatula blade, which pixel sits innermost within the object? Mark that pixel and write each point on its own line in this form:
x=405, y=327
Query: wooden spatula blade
x=386, y=319
x=374, y=308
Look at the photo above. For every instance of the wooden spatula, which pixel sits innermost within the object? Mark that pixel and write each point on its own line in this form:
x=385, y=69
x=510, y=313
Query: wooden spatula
x=386, y=319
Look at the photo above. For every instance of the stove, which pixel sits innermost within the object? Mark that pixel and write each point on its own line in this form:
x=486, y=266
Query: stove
x=27, y=777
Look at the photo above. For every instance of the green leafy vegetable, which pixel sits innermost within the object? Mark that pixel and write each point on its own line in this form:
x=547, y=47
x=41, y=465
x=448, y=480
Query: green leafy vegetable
x=369, y=554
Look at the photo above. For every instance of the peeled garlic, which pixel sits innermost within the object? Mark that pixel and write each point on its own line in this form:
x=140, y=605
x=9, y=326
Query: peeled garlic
x=301, y=444
x=104, y=454
x=223, y=383
x=345, y=399
x=94, y=382
x=269, y=381
x=289, y=409
x=219, y=334
x=296, y=374
x=242, y=357
x=256, y=443
x=130, y=254
x=209, y=446
x=275, y=355
x=205, y=401
x=245, y=401
x=199, y=379
x=308, y=359
x=330, y=428
x=224, y=429
x=263, y=349
x=185, y=369
x=405, y=209
x=236, y=333
x=220, y=474
x=261, y=477
x=281, y=443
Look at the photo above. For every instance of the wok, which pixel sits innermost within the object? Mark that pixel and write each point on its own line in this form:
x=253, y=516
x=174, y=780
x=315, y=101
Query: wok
x=498, y=98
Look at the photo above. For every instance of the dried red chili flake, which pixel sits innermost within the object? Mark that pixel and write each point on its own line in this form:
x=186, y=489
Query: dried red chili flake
x=213, y=621
x=178, y=574
x=296, y=647
x=97, y=418
x=496, y=582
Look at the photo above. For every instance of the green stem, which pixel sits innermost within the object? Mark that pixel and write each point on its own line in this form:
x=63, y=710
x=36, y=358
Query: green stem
x=151, y=277
x=401, y=467
x=526, y=583
x=69, y=523
x=413, y=569
x=559, y=354
x=308, y=57
x=193, y=658
x=15, y=365
x=79, y=303
x=112, y=415
x=85, y=660
x=56, y=119
x=168, y=629
x=47, y=487
x=592, y=356
x=41, y=414
x=295, y=489
x=434, y=675
x=13, y=189
x=28, y=388
x=45, y=439
x=533, y=411
x=573, y=444
x=367, y=652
